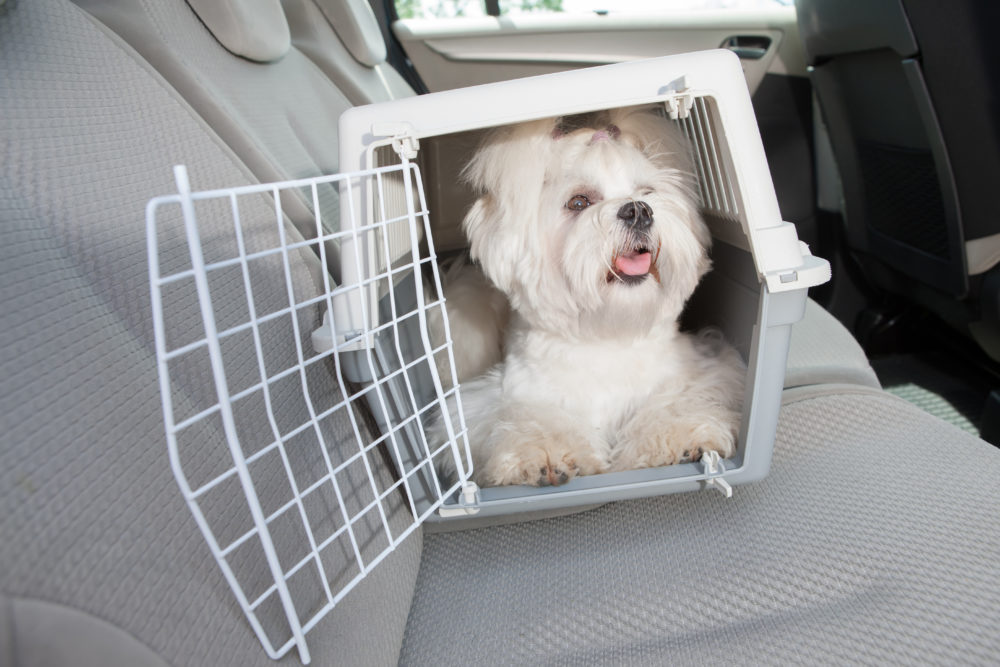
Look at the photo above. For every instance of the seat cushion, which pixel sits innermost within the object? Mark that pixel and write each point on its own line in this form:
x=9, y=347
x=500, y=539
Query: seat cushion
x=854, y=550
x=822, y=350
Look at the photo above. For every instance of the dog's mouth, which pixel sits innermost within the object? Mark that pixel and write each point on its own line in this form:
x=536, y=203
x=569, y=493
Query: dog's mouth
x=633, y=265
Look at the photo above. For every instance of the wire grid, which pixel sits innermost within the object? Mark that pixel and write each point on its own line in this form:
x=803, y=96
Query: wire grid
x=713, y=166
x=279, y=460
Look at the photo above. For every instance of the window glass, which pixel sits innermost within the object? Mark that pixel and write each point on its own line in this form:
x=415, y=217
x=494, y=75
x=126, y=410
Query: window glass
x=468, y=8
x=429, y=9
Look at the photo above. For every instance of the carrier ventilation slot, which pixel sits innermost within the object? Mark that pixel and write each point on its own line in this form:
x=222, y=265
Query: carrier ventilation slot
x=710, y=155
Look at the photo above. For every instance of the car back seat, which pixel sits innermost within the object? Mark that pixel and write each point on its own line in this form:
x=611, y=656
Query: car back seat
x=873, y=539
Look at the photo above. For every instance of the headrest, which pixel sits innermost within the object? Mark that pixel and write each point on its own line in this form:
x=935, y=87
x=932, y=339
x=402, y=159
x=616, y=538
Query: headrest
x=356, y=26
x=253, y=29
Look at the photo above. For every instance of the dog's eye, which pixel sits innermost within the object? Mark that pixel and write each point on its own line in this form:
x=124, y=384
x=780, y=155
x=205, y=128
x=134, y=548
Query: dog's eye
x=578, y=202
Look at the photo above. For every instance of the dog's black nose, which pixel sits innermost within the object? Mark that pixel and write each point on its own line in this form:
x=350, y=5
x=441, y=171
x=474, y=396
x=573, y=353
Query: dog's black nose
x=636, y=214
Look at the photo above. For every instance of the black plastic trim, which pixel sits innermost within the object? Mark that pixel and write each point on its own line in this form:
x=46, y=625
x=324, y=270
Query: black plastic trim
x=385, y=12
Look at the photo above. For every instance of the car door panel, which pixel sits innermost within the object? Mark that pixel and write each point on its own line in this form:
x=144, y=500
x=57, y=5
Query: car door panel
x=451, y=53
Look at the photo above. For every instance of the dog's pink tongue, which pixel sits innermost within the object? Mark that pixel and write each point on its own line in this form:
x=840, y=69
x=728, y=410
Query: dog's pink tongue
x=633, y=263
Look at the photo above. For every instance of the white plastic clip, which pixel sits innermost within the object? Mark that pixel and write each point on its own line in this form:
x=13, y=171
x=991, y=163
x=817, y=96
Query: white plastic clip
x=404, y=140
x=325, y=338
x=322, y=338
x=679, y=105
x=468, y=502
x=713, y=466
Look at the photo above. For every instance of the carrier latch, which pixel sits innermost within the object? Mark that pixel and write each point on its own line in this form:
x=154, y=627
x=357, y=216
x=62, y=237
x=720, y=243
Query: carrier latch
x=468, y=502
x=403, y=137
x=714, y=467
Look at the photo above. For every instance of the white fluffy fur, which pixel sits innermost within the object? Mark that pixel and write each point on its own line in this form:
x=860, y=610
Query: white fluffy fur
x=596, y=376
x=477, y=317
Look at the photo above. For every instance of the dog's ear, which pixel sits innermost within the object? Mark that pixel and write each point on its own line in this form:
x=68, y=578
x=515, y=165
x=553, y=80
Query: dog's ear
x=495, y=252
x=501, y=165
x=508, y=174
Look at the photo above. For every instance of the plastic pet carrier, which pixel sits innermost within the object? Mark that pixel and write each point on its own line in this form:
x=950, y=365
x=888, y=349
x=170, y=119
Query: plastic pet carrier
x=755, y=292
x=312, y=390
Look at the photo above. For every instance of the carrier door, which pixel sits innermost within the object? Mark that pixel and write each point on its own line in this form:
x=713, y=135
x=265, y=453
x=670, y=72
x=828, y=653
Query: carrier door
x=297, y=408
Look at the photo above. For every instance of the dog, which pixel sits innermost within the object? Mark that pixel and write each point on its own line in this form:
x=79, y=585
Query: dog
x=590, y=226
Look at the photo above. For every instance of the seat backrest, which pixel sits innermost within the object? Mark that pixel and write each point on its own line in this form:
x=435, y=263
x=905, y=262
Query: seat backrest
x=92, y=520
x=900, y=201
x=960, y=65
x=343, y=38
x=268, y=101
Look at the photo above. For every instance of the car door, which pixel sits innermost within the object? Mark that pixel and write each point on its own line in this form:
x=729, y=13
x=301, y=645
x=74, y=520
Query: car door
x=464, y=50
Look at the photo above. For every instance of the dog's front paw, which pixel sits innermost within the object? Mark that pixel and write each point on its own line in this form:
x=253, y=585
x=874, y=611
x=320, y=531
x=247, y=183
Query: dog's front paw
x=677, y=441
x=548, y=462
x=709, y=437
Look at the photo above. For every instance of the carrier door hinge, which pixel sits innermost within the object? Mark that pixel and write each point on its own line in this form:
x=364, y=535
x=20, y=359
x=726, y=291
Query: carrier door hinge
x=403, y=137
x=468, y=502
x=326, y=338
x=714, y=467
x=679, y=104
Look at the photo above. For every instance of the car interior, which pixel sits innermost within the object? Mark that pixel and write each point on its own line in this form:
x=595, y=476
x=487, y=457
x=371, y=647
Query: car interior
x=875, y=537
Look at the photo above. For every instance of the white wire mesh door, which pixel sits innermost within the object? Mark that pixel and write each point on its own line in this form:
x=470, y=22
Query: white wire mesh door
x=298, y=491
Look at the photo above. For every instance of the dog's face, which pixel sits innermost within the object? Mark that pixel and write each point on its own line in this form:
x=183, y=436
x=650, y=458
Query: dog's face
x=588, y=223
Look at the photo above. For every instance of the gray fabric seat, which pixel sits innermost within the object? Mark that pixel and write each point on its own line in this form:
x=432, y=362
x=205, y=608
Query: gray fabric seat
x=101, y=562
x=822, y=351
x=854, y=550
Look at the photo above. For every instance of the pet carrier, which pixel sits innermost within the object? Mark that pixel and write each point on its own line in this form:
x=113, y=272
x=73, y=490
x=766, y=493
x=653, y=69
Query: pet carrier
x=311, y=389
x=755, y=292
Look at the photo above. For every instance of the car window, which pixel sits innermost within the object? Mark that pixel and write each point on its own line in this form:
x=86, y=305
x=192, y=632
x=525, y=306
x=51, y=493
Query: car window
x=408, y=9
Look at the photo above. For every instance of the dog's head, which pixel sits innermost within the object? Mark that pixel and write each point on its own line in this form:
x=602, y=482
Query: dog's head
x=588, y=223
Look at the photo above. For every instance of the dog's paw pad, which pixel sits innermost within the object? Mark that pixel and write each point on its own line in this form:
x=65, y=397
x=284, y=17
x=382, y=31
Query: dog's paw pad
x=552, y=461
x=719, y=440
x=533, y=468
x=554, y=475
x=689, y=455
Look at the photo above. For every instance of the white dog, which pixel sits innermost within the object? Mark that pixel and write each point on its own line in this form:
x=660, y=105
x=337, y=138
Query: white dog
x=589, y=225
